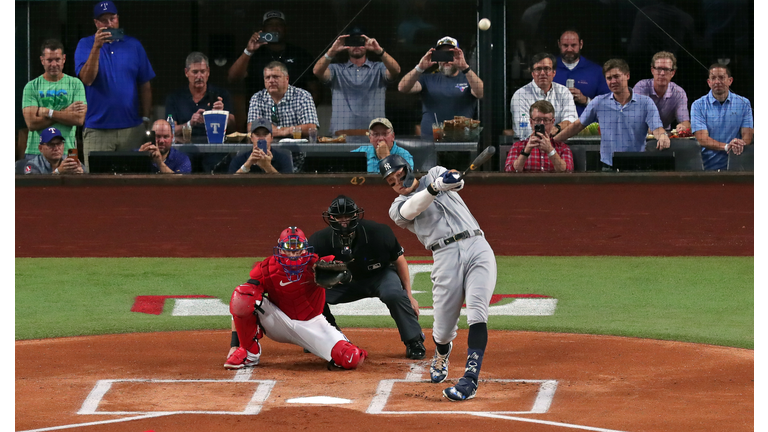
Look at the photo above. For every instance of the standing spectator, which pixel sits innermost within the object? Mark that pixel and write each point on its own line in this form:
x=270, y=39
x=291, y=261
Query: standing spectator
x=541, y=88
x=670, y=99
x=188, y=104
x=624, y=116
x=50, y=158
x=443, y=95
x=721, y=120
x=382, y=139
x=165, y=158
x=588, y=78
x=358, y=86
x=539, y=152
x=262, y=159
x=54, y=99
x=116, y=73
x=259, y=52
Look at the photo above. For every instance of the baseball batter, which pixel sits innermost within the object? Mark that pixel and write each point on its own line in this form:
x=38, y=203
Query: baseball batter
x=464, y=265
x=282, y=300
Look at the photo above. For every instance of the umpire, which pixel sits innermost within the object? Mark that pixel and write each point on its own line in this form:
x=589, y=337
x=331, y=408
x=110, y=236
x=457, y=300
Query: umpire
x=379, y=269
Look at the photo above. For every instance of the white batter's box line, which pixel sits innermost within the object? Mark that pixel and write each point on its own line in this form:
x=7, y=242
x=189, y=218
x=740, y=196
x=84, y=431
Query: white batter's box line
x=541, y=404
x=91, y=404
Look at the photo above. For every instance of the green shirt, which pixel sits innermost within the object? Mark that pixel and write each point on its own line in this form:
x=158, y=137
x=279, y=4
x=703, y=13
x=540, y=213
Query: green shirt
x=56, y=96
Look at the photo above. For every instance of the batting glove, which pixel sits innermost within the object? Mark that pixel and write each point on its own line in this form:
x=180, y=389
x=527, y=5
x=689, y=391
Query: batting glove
x=448, y=181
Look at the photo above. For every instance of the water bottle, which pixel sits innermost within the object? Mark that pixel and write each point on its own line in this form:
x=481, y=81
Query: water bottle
x=524, y=121
x=173, y=125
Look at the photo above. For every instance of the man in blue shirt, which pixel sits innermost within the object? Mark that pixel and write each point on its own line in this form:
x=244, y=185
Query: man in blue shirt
x=721, y=120
x=263, y=158
x=382, y=138
x=588, y=79
x=116, y=73
x=165, y=158
x=624, y=117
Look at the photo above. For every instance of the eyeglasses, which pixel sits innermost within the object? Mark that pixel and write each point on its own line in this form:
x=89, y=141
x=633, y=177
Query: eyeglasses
x=542, y=120
x=378, y=134
x=54, y=144
x=542, y=69
x=275, y=119
x=666, y=70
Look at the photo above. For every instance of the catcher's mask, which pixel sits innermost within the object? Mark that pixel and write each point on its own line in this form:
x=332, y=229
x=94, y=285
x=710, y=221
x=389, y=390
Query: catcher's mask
x=343, y=206
x=392, y=163
x=292, y=252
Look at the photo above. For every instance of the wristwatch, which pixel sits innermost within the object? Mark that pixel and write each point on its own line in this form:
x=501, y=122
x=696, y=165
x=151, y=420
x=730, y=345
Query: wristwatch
x=559, y=129
x=522, y=152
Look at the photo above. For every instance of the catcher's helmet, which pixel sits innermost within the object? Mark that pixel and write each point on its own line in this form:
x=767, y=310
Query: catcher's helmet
x=343, y=206
x=392, y=163
x=292, y=252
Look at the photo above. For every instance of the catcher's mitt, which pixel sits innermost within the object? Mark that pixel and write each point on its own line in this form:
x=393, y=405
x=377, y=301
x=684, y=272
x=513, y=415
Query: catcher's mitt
x=328, y=274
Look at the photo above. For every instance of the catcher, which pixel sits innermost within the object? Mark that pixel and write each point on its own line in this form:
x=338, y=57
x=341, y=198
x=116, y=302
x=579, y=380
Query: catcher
x=284, y=299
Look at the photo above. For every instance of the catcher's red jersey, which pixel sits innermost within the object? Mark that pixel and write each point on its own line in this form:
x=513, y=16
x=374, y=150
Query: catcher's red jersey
x=299, y=300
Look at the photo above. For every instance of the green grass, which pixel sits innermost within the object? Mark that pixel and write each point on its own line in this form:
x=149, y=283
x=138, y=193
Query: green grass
x=693, y=299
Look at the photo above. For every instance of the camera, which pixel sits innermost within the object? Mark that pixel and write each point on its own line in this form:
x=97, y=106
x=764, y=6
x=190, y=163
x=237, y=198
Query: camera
x=116, y=33
x=354, y=41
x=151, y=137
x=442, y=56
x=539, y=128
x=269, y=37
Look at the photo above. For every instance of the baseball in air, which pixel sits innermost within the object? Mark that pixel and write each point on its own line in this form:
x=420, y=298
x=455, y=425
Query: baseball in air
x=484, y=24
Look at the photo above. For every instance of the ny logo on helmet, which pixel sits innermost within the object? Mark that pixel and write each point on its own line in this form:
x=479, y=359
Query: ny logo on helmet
x=387, y=166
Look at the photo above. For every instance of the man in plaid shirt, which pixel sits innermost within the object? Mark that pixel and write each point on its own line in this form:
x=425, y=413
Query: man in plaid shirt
x=540, y=153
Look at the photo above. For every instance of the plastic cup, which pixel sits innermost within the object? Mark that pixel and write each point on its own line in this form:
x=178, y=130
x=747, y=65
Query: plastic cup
x=312, y=132
x=296, y=132
x=216, y=125
x=437, y=132
x=186, y=132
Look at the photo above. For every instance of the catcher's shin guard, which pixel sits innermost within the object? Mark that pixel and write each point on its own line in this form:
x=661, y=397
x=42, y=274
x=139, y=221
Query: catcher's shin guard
x=347, y=356
x=242, y=306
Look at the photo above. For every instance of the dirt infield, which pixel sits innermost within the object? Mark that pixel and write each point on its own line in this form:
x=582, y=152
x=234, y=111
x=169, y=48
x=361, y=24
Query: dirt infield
x=605, y=383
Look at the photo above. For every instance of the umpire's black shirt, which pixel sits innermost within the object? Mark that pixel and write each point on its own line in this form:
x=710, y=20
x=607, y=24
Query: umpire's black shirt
x=374, y=248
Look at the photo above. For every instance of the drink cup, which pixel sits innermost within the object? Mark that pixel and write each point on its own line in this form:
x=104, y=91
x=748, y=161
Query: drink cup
x=312, y=134
x=216, y=125
x=569, y=83
x=437, y=132
x=186, y=132
x=296, y=132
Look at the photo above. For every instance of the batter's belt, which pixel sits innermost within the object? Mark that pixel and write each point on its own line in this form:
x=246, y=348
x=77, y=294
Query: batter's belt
x=460, y=236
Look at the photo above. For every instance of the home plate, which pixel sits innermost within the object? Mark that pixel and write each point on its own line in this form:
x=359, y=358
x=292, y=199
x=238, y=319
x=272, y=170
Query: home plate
x=320, y=400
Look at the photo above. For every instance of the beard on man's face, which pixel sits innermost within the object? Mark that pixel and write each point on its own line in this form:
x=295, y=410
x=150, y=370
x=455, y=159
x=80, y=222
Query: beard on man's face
x=448, y=70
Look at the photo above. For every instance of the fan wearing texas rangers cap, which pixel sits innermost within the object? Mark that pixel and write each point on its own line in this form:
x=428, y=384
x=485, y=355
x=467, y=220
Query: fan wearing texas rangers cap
x=452, y=92
x=382, y=139
x=464, y=268
x=51, y=159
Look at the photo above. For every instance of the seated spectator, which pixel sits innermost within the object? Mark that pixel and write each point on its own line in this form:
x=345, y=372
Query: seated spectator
x=262, y=159
x=670, y=99
x=382, y=138
x=444, y=94
x=165, y=158
x=51, y=159
x=539, y=152
x=188, y=104
x=541, y=88
x=722, y=120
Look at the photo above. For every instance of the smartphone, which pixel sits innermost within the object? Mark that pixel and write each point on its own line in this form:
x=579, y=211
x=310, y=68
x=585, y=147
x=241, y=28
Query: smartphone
x=72, y=153
x=117, y=33
x=151, y=137
x=569, y=83
x=262, y=145
x=442, y=56
x=355, y=41
x=539, y=128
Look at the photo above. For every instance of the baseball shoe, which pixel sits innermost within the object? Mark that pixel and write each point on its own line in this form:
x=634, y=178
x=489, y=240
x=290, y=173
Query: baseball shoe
x=415, y=350
x=242, y=358
x=465, y=389
x=438, y=370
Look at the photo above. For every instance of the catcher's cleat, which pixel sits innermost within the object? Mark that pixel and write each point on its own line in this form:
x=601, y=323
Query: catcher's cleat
x=465, y=389
x=415, y=350
x=438, y=370
x=242, y=358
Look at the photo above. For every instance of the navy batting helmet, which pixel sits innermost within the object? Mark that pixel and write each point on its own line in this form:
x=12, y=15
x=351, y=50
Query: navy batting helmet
x=392, y=163
x=343, y=206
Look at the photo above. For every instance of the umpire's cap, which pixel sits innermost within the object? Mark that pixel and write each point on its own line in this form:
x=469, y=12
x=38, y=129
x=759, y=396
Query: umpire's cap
x=392, y=163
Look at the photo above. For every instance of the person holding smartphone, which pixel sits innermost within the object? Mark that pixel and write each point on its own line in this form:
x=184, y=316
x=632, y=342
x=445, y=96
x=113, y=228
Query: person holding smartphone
x=263, y=158
x=540, y=152
x=165, y=158
x=51, y=159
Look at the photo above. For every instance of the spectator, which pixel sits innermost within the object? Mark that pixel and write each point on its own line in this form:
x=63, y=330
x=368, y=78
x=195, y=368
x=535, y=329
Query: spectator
x=588, y=79
x=443, y=95
x=670, y=99
x=541, y=88
x=624, y=116
x=116, y=90
x=165, y=158
x=539, y=152
x=358, y=86
x=382, y=138
x=53, y=100
x=188, y=104
x=721, y=120
x=262, y=159
x=250, y=65
x=51, y=158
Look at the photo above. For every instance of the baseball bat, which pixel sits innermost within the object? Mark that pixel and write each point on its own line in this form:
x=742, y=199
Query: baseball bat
x=482, y=158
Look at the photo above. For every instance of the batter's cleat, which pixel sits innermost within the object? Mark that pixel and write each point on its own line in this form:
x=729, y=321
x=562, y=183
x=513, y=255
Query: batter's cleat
x=438, y=370
x=415, y=350
x=242, y=358
x=465, y=389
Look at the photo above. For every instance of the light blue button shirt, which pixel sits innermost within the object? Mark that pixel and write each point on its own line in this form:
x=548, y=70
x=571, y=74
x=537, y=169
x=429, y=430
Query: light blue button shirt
x=723, y=121
x=373, y=160
x=622, y=128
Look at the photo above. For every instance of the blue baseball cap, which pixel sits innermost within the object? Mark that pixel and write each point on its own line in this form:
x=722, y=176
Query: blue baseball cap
x=103, y=7
x=261, y=123
x=48, y=134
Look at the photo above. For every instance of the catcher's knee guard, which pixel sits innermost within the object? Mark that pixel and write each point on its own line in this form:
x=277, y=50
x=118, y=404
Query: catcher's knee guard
x=244, y=301
x=347, y=356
